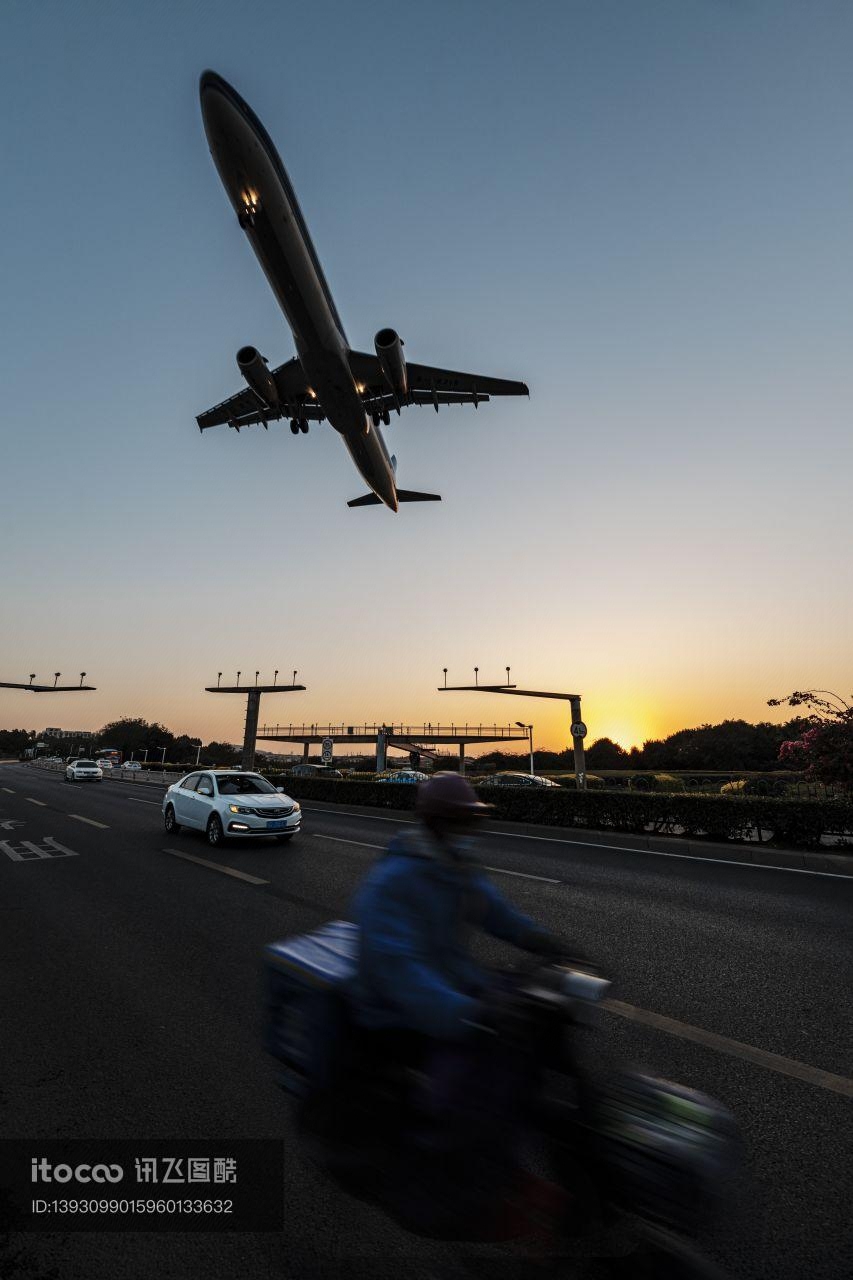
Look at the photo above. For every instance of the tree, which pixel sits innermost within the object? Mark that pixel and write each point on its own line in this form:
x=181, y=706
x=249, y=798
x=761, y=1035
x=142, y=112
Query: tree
x=132, y=736
x=825, y=746
x=604, y=753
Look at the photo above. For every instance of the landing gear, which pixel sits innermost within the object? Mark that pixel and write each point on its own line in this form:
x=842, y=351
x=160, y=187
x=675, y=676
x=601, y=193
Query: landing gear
x=299, y=424
x=246, y=218
x=294, y=426
x=303, y=426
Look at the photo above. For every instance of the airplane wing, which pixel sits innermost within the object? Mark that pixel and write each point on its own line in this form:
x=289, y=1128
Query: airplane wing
x=430, y=385
x=246, y=408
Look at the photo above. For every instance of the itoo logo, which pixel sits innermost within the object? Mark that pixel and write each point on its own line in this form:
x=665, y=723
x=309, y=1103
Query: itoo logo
x=44, y=1171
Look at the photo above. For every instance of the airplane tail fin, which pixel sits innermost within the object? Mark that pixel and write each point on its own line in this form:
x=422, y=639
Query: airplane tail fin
x=412, y=495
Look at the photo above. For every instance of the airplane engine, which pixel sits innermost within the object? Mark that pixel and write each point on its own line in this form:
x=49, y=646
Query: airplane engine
x=254, y=369
x=389, y=352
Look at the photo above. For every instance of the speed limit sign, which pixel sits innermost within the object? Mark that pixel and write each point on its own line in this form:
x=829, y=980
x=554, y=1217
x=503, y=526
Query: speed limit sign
x=579, y=729
x=327, y=749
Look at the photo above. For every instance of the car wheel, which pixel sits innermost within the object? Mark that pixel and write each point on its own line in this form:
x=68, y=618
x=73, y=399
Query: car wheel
x=169, y=819
x=214, y=830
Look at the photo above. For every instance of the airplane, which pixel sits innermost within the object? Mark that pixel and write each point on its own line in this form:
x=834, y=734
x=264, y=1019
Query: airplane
x=354, y=391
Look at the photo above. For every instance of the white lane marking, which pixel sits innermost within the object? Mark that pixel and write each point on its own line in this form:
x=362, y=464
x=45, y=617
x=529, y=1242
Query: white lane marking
x=522, y=875
x=618, y=848
x=9, y=789
x=42, y=803
x=216, y=866
x=29, y=851
x=139, y=800
x=734, y=1048
x=340, y=840
x=91, y=821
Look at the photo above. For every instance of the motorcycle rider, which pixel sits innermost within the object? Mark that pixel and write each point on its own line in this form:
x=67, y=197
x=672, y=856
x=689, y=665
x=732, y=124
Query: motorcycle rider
x=414, y=910
x=420, y=999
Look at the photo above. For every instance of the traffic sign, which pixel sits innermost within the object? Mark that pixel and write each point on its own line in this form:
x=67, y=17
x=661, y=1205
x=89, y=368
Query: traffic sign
x=579, y=729
x=327, y=749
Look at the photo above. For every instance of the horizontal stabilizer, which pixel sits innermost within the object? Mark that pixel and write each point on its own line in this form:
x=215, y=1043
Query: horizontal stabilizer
x=368, y=500
x=411, y=495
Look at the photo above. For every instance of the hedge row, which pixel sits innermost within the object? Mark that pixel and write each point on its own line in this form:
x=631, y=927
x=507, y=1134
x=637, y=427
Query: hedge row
x=785, y=822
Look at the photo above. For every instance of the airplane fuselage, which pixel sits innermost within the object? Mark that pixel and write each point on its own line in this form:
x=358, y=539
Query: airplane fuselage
x=264, y=201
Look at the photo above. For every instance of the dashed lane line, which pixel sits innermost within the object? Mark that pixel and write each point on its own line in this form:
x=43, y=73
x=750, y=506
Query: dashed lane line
x=91, y=821
x=521, y=875
x=616, y=848
x=10, y=790
x=139, y=800
x=42, y=804
x=360, y=844
x=216, y=866
x=657, y=1021
x=733, y=1048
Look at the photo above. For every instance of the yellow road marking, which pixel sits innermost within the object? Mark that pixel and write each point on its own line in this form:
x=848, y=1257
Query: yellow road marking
x=734, y=1048
x=216, y=866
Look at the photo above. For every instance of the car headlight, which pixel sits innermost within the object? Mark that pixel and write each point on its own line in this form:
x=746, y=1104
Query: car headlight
x=237, y=808
x=297, y=808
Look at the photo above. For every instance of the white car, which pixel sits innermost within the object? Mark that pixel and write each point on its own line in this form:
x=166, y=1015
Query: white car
x=516, y=780
x=84, y=771
x=131, y=764
x=402, y=775
x=104, y=764
x=227, y=803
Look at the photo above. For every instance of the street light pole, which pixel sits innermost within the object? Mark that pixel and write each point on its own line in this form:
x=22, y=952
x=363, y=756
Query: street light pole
x=198, y=753
x=163, y=757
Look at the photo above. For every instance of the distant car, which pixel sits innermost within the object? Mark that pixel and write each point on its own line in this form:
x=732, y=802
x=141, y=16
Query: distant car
x=230, y=803
x=84, y=771
x=104, y=764
x=516, y=780
x=315, y=771
x=402, y=775
x=131, y=764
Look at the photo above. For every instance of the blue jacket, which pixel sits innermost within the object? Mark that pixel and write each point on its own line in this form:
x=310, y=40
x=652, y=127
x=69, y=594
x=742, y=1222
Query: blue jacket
x=414, y=911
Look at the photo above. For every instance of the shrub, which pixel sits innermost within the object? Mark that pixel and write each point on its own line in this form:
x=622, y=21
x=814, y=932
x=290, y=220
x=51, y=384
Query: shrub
x=593, y=781
x=731, y=817
x=655, y=782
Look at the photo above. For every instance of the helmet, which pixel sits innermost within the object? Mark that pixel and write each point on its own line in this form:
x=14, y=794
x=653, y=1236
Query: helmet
x=449, y=796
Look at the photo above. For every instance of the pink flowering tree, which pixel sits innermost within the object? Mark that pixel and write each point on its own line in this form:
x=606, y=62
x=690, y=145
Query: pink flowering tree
x=825, y=748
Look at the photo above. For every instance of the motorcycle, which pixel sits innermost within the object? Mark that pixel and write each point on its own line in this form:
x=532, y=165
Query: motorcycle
x=634, y=1154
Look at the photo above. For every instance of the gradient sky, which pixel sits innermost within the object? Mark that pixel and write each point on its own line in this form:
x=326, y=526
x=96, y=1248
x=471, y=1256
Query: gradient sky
x=642, y=208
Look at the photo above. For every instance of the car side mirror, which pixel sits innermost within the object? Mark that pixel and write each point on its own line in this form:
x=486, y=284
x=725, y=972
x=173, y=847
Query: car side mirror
x=281, y=789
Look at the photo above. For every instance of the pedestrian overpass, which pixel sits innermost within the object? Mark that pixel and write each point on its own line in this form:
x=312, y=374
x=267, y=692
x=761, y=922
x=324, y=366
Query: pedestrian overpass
x=402, y=737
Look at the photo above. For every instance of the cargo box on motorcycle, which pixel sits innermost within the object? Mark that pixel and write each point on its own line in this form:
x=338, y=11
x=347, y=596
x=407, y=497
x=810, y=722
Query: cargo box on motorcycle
x=306, y=981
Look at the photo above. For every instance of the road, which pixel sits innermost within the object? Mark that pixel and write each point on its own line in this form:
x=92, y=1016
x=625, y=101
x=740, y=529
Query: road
x=131, y=1009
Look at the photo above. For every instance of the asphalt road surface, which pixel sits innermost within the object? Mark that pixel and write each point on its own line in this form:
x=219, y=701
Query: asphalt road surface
x=130, y=1008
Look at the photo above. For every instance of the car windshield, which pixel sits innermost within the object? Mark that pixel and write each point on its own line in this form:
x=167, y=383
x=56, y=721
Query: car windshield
x=85, y=764
x=243, y=784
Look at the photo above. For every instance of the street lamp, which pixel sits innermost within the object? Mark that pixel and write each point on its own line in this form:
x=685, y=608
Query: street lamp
x=163, y=756
x=198, y=753
x=529, y=728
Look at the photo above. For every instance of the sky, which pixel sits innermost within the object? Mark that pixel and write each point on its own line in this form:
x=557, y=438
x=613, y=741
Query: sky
x=642, y=208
